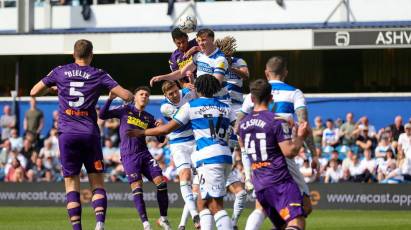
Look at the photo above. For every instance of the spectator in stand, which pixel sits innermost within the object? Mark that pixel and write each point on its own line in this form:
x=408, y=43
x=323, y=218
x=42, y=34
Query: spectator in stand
x=397, y=128
x=348, y=161
x=364, y=123
x=299, y=159
x=15, y=172
x=53, y=137
x=364, y=141
x=48, y=151
x=336, y=156
x=15, y=140
x=338, y=123
x=404, y=141
x=308, y=173
x=37, y=172
x=5, y=153
x=318, y=131
x=330, y=137
x=28, y=149
x=34, y=119
x=387, y=166
x=333, y=173
x=358, y=171
x=154, y=147
x=402, y=171
x=111, y=155
x=381, y=151
x=7, y=122
x=111, y=127
x=370, y=163
x=347, y=130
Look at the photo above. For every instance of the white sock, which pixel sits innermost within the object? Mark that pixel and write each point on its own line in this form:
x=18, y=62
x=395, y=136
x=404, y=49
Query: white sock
x=222, y=221
x=188, y=196
x=239, y=202
x=255, y=220
x=184, y=216
x=146, y=223
x=206, y=220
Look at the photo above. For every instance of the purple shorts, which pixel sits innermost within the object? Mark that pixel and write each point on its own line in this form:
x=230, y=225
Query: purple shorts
x=285, y=199
x=137, y=165
x=79, y=149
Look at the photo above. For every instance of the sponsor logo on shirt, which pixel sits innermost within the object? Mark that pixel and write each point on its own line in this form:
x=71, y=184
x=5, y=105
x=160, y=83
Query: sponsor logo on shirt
x=285, y=213
x=258, y=165
x=79, y=113
x=137, y=122
x=182, y=63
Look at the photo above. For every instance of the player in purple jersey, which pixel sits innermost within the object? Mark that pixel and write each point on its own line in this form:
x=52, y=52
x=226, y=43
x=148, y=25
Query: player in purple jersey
x=182, y=55
x=79, y=86
x=135, y=157
x=267, y=141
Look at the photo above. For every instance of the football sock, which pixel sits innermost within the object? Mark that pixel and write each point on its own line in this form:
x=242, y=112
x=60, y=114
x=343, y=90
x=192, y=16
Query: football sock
x=206, y=220
x=222, y=220
x=162, y=198
x=74, y=196
x=139, y=204
x=100, y=205
x=255, y=220
x=239, y=202
x=187, y=193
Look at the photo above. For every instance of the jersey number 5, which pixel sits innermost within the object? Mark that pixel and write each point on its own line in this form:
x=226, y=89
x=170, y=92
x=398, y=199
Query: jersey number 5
x=250, y=146
x=74, y=92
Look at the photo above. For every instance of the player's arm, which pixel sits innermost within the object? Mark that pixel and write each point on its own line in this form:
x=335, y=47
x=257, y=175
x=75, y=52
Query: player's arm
x=40, y=89
x=302, y=116
x=290, y=148
x=173, y=76
x=157, y=131
x=106, y=113
x=240, y=116
x=246, y=165
x=122, y=93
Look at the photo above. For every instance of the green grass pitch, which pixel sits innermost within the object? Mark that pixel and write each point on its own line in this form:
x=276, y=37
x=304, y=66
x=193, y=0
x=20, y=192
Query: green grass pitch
x=40, y=218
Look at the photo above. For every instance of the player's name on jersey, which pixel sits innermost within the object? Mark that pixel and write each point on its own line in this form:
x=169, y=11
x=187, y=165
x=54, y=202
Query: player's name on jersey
x=253, y=122
x=205, y=109
x=77, y=73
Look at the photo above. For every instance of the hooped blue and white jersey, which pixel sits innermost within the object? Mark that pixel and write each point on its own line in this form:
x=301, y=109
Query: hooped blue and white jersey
x=234, y=83
x=210, y=120
x=183, y=134
x=215, y=63
x=287, y=99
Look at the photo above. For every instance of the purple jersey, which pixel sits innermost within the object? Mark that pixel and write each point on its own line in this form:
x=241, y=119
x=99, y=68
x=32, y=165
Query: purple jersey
x=130, y=118
x=177, y=61
x=79, y=88
x=261, y=132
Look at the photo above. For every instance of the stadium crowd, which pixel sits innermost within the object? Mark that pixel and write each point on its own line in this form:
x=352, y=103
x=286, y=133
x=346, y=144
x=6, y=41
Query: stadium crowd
x=346, y=151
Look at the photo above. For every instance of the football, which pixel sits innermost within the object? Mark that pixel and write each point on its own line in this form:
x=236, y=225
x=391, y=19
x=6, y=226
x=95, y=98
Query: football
x=187, y=23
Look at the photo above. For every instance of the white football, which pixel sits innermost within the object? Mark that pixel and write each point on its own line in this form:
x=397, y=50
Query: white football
x=187, y=23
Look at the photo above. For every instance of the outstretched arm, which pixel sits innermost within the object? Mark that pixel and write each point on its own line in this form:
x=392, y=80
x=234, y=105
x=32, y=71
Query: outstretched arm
x=290, y=148
x=302, y=115
x=173, y=76
x=157, y=131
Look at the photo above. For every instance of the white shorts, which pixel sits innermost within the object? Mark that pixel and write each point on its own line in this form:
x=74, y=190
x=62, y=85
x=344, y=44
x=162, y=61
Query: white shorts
x=181, y=154
x=234, y=176
x=212, y=179
x=297, y=176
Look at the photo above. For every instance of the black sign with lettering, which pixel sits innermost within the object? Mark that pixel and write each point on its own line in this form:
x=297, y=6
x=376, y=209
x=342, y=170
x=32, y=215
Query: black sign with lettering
x=362, y=38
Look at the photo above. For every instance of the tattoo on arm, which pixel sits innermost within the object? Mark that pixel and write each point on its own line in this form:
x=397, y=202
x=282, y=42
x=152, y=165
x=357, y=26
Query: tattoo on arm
x=302, y=115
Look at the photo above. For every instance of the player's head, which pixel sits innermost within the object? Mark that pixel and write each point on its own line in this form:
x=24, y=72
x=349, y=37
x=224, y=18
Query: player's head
x=205, y=39
x=276, y=68
x=180, y=39
x=83, y=50
x=207, y=85
x=261, y=92
x=228, y=46
x=171, y=91
x=141, y=96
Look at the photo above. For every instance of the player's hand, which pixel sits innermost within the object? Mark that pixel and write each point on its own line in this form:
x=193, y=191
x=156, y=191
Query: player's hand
x=303, y=129
x=154, y=80
x=190, y=86
x=112, y=96
x=158, y=122
x=191, y=51
x=248, y=186
x=135, y=133
x=53, y=90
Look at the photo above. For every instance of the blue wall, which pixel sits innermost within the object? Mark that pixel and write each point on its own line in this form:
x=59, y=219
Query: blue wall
x=380, y=111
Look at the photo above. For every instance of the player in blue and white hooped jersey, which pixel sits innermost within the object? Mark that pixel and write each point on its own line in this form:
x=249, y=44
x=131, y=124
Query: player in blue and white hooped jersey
x=237, y=73
x=182, y=145
x=210, y=60
x=288, y=101
x=210, y=119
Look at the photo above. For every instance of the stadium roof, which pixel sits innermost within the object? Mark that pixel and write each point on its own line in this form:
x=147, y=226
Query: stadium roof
x=243, y=27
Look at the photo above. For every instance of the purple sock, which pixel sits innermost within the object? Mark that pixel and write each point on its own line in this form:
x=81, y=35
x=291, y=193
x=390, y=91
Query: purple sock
x=100, y=203
x=139, y=204
x=74, y=196
x=162, y=198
